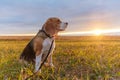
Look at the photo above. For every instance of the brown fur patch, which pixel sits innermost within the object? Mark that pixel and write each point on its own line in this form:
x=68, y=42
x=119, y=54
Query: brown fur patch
x=52, y=25
x=37, y=45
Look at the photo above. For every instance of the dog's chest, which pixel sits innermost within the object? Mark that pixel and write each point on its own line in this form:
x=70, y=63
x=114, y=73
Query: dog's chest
x=46, y=45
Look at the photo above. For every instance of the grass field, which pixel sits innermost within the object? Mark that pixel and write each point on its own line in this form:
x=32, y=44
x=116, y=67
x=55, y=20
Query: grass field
x=75, y=58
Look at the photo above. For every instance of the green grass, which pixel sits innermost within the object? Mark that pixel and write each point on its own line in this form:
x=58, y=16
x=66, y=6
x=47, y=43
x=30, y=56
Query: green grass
x=74, y=59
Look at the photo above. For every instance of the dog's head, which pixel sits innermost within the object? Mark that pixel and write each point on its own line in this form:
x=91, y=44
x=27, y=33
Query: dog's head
x=53, y=25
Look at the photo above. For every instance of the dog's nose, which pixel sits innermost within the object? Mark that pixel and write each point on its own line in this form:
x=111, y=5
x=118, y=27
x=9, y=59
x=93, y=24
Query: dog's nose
x=66, y=23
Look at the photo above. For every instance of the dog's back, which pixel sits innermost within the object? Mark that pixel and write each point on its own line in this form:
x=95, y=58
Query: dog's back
x=28, y=53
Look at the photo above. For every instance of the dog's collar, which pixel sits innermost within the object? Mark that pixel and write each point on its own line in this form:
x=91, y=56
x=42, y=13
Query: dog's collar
x=48, y=35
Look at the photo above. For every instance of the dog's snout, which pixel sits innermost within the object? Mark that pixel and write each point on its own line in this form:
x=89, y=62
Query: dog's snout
x=66, y=23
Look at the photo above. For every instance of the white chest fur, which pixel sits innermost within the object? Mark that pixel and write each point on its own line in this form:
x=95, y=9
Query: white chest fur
x=46, y=45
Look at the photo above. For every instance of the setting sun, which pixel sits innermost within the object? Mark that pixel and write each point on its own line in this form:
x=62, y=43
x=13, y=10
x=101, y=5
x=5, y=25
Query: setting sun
x=97, y=32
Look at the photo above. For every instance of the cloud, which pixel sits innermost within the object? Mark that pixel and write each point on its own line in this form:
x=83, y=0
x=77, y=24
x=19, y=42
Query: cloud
x=81, y=14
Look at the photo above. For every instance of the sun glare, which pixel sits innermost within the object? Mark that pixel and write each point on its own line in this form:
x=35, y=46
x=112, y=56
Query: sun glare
x=97, y=32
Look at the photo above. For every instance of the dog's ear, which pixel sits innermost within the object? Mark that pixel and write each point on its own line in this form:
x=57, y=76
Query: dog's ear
x=50, y=27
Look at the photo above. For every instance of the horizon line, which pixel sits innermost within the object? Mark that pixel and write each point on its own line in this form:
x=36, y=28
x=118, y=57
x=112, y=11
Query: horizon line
x=79, y=33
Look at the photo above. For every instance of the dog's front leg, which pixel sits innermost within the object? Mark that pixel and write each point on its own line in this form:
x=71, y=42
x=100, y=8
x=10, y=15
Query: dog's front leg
x=38, y=62
x=50, y=61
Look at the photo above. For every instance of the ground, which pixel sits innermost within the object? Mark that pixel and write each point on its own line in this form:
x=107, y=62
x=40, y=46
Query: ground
x=82, y=58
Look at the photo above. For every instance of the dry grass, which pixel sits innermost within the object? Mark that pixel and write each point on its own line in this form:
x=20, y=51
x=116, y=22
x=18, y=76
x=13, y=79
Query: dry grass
x=83, y=58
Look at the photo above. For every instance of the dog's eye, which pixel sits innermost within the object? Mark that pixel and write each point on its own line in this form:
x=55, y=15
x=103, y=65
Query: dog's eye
x=58, y=21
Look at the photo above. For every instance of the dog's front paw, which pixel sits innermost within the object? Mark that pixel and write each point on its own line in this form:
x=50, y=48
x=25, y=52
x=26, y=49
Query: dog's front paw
x=46, y=64
x=51, y=65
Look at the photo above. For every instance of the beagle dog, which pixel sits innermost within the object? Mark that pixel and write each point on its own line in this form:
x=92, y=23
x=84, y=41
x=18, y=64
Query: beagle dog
x=37, y=49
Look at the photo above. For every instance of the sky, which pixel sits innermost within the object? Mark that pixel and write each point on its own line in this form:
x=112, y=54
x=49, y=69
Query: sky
x=19, y=17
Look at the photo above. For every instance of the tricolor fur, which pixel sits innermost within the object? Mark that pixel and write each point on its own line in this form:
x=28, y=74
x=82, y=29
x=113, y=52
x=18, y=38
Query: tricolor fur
x=38, y=47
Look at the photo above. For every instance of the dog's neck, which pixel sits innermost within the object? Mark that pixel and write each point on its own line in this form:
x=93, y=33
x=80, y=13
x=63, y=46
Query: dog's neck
x=48, y=34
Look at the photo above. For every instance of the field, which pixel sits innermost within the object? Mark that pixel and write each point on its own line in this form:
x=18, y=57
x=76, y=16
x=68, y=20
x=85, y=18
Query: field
x=75, y=58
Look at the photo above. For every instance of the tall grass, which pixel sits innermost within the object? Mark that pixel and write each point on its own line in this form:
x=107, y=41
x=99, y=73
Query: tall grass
x=81, y=59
